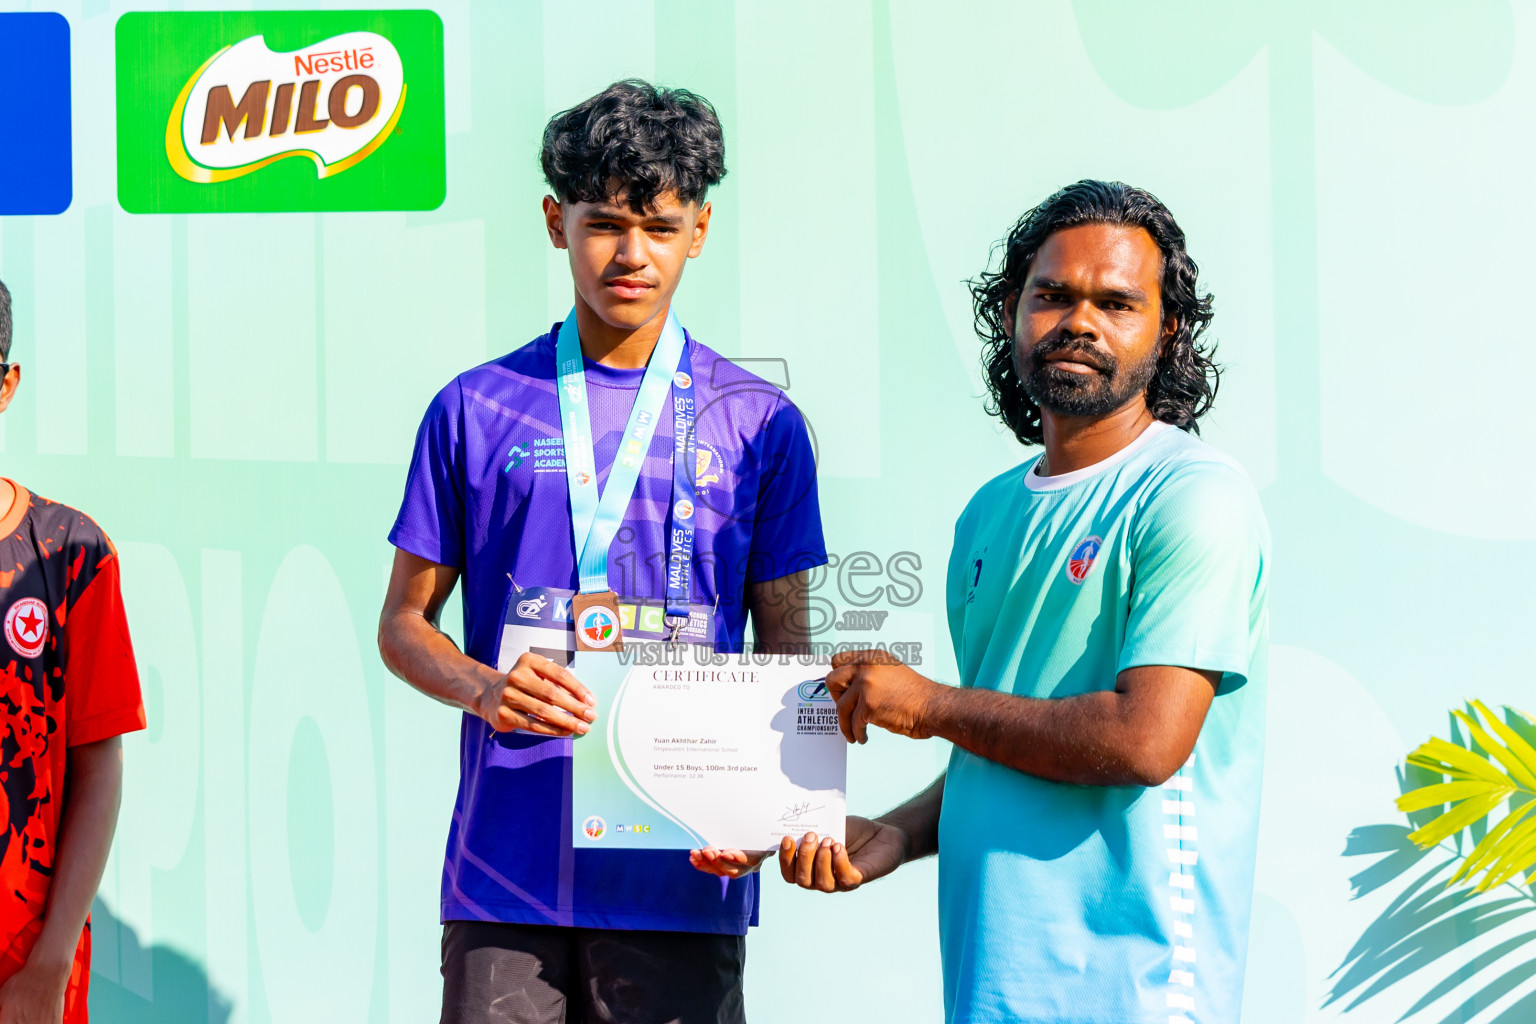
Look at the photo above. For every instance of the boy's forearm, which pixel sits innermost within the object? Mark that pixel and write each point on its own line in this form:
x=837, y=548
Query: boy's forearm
x=93, y=793
x=422, y=655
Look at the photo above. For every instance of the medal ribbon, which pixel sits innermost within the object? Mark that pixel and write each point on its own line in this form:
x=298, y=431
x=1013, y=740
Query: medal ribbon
x=594, y=519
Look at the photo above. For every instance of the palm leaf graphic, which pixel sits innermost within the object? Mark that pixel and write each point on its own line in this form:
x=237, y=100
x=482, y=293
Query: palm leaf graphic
x=1422, y=934
x=1469, y=782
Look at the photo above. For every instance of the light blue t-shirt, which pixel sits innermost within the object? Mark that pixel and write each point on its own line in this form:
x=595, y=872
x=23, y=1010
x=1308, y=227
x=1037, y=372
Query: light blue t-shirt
x=1065, y=904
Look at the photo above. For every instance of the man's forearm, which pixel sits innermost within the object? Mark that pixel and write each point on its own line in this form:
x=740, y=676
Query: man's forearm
x=1091, y=739
x=424, y=656
x=93, y=795
x=918, y=818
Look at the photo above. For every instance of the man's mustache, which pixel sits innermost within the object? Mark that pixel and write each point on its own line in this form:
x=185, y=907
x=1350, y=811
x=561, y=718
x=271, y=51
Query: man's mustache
x=1079, y=350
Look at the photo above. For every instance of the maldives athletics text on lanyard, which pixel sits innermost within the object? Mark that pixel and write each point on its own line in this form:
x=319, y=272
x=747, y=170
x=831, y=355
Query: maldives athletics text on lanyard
x=594, y=520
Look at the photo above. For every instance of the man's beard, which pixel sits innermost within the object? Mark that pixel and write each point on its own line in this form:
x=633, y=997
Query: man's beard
x=1079, y=394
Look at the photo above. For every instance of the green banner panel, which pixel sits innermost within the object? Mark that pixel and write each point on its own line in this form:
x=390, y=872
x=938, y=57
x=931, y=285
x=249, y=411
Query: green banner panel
x=241, y=112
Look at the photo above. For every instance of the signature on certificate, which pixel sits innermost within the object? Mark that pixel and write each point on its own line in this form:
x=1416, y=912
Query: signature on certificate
x=795, y=812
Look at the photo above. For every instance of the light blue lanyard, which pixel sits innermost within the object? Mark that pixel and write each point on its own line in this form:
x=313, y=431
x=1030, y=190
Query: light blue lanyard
x=594, y=521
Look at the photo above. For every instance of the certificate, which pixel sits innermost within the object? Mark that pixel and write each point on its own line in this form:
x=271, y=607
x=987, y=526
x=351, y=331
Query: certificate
x=694, y=749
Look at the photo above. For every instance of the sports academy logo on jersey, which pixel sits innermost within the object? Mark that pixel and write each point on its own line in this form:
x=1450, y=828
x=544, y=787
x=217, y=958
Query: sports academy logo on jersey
x=292, y=110
x=26, y=627
x=598, y=627
x=547, y=455
x=1080, y=562
x=516, y=455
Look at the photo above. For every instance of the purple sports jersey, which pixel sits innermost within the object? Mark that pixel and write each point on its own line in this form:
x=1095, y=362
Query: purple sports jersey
x=487, y=494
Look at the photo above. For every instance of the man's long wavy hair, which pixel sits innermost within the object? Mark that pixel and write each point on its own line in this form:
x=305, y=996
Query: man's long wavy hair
x=1187, y=376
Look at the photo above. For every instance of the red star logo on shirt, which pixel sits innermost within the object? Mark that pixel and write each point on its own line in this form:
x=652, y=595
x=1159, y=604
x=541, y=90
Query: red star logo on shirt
x=26, y=627
x=29, y=622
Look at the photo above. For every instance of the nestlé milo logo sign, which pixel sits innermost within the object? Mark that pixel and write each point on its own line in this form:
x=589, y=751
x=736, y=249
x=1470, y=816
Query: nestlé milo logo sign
x=334, y=103
x=266, y=111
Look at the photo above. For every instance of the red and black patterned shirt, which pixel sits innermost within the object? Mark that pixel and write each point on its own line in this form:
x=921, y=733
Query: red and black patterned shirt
x=67, y=677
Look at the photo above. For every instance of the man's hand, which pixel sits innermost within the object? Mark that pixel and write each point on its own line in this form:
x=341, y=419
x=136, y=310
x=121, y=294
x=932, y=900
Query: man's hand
x=538, y=696
x=35, y=995
x=874, y=688
x=727, y=863
x=874, y=850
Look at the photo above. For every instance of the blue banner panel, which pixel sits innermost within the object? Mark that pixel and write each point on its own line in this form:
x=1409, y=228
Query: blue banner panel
x=34, y=114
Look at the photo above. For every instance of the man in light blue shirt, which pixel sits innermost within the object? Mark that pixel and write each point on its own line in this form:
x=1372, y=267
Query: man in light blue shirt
x=1107, y=601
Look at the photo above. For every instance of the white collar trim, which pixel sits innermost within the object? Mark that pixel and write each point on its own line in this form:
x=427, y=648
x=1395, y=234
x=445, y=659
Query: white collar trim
x=1035, y=482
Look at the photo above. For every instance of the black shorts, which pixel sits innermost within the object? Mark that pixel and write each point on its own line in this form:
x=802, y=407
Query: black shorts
x=541, y=974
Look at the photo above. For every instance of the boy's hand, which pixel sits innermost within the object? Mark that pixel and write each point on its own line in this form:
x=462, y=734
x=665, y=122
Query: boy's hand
x=34, y=995
x=727, y=863
x=538, y=696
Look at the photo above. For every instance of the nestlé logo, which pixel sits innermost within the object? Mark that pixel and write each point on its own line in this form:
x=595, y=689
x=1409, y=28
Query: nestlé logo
x=280, y=111
x=334, y=102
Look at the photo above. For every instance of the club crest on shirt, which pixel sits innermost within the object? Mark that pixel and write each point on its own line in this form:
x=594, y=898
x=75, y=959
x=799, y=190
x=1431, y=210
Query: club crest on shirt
x=26, y=627
x=597, y=626
x=1080, y=562
x=709, y=464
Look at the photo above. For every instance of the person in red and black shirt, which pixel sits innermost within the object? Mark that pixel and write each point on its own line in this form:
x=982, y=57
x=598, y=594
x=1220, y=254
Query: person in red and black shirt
x=68, y=690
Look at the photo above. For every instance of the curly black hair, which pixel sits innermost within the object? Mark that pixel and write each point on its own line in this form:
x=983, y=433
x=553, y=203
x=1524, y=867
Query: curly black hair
x=1187, y=376
x=636, y=140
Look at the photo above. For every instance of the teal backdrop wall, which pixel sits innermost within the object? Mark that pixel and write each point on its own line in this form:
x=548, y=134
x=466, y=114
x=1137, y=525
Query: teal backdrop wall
x=234, y=397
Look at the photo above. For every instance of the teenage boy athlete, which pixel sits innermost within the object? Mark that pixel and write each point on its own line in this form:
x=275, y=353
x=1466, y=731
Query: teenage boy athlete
x=1107, y=603
x=68, y=690
x=532, y=930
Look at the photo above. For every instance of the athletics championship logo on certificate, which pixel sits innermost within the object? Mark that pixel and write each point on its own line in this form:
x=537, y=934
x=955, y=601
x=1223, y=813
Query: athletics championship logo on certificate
x=284, y=110
x=815, y=690
x=817, y=713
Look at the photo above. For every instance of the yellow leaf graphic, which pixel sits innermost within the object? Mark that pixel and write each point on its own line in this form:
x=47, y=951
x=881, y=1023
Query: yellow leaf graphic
x=1472, y=786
